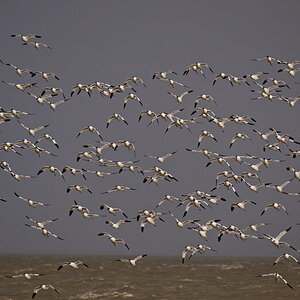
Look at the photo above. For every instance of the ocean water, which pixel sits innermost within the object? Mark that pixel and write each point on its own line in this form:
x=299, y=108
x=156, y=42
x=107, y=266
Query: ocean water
x=161, y=278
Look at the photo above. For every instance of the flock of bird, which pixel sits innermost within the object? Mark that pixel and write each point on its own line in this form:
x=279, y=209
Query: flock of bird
x=266, y=88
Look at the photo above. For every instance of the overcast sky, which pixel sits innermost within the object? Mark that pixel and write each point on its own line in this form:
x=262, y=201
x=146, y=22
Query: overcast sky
x=110, y=41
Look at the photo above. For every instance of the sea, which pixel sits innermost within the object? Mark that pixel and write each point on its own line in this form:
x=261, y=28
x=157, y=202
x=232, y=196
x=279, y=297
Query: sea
x=163, y=278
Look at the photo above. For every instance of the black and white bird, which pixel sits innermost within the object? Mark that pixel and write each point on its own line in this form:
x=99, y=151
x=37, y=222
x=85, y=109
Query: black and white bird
x=33, y=131
x=72, y=264
x=45, y=232
x=43, y=287
x=241, y=205
x=132, y=261
x=41, y=224
x=112, y=210
x=78, y=188
x=25, y=275
x=114, y=240
x=277, y=277
x=30, y=202
x=276, y=240
x=287, y=257
x=161, y=159
x=117, y=224
x=180, y=97
x=91, y=129
x=117, y=117
x=26, y=38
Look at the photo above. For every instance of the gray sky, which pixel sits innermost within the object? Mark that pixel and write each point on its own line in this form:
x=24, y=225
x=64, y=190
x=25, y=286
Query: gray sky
x=110, y=41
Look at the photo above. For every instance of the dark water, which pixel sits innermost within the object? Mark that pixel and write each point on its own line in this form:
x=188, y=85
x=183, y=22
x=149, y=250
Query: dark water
x=153, y=278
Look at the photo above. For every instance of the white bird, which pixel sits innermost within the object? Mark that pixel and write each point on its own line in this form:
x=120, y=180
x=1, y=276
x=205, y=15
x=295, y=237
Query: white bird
x=254, y=188
x=135, y=80
x=88, y=215
x=18, y=177
x=205, y=152
x=43, y=223
x=52, y=169
x=285, y=256
x=117, y=117
x=163, y=74
x=220, y=160
x=194, y=202
x=45, y=232
x=150, y=219
x=37, y=45
x=132, y=96
x=180, y=123
x=18, y=70
x=196, y=67
x=201, y=248
x=166, y=198
x=48, y=137
x=148, y=113
x=277, y=276
x=227, y=184
x=273, y=147
x=274, y=205
x=90, y=129
x=72, y=264
x=241, y=205
x=161, y=159
x=241, y=136
x=26, y=38
x=53, y=105
x=117, y=224
x=279, y=188
x=267, y=58
x=181, y=224
x=296, y=174
x=98, y=173
x=20, y=86
x=43, y=287
x=242, y=120
x=33, y=131
x=26, y=275
x=291, y=72
x=276, y=240
x=78, y=188
x=78, y=207
x=254, y=227
x=291, y=100
x=53, y=90
x=255, y=76
x=276, y=82
x=127, y=144
x=30, y=202
x=205, y=133
x=187, y=249
x=173, y=82
x=290, y=65
x=132, y=261
x=80, y=87
x=180, y=97
x=114, y=240
x=223, y=76
x=219, y=121
x=112, y=210
x=118, y=188
x=41, y=99
x=44, y=75
x=73, y=171
x=205, y=98
x=205, y=113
